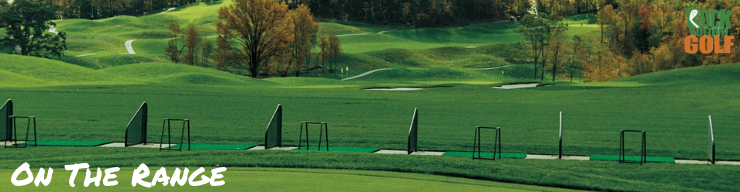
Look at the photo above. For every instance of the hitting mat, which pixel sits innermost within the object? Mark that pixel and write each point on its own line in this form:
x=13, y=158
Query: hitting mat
x=341, y=149
x=213, y=146
x=632, y=158
x=485, y=154
x=69, y=143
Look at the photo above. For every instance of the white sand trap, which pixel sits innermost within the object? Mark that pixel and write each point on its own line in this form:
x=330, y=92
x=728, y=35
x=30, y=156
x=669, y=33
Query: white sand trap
x=383, y=32
x=394, y=152
x=129, y=48
x=53, y=29
x=396, y=89
x=351, y=34
x=517, y=86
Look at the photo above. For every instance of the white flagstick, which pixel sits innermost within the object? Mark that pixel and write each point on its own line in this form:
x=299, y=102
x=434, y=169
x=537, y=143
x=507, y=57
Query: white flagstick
x=710, y=151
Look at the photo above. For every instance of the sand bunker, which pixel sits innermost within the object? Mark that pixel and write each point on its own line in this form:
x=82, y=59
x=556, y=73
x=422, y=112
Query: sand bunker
x=517, y=86
x=395, y=89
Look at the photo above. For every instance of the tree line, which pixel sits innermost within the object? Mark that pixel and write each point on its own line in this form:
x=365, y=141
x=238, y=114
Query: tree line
x=259, y=38
x=636, y=37
x=96, y=9
x=26, y=23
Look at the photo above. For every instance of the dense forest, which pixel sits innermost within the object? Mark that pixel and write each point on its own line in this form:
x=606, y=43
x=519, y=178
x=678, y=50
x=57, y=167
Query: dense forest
x=415, y=13
x=430, y=13
x=96, y=9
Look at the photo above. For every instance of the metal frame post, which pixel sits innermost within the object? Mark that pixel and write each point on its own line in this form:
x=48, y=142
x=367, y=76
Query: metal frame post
x=496, y=142
x=167, y=123
x=323, y=131
x=14, y=137
x=643, y=150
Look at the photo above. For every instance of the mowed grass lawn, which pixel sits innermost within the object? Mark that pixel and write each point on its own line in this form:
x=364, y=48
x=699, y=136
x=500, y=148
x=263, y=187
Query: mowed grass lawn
x=358, y=171
x=283, y=179
x=75, y=103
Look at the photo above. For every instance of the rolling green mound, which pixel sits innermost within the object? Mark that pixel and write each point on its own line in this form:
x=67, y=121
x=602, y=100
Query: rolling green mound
x=364, y=46
x=21, y=71
x=726, y=73
x=179, y=73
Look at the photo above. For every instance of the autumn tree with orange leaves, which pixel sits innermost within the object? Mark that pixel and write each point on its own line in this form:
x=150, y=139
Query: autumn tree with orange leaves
x=304, y=36
x=252, y=34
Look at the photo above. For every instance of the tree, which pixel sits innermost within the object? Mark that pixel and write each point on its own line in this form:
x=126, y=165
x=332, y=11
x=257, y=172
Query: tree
x=577, y=43
x=334, y=51
x=171, y=50
x=191, y=43
x=26, y=23
x=535, y=31
x=557, y=41
x=607, y=17
x=206, y=52
x=304, y=35
x=324, y=52
x=252, y=33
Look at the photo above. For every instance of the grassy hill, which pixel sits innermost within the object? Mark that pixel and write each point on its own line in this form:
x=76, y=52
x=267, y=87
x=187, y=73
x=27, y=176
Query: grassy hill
x=364, y=46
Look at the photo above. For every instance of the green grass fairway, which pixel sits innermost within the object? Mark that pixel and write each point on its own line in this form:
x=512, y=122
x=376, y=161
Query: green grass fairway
x=631, y=158
x=586, y=175
x=339, y=149
x=212, y=146
x=274, y=180
x=82, y=104
x=486, y=154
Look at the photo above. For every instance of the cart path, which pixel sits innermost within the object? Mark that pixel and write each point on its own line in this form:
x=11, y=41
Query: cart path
x=365, y=74
x=129, y=48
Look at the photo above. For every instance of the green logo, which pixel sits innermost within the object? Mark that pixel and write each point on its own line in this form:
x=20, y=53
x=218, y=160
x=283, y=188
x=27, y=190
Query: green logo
x=708, y=23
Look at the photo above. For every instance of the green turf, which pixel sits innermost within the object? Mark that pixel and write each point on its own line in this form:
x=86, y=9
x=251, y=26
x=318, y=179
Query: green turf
x=585, y=175
x=283, y=179
x=240, y=106
x=632, y=158
x=69, y=143
x=340, y=149
x=212, y=146
x=485, y=154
